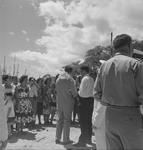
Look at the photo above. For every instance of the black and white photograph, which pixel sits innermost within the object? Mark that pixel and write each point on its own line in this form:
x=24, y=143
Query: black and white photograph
x=71, y=74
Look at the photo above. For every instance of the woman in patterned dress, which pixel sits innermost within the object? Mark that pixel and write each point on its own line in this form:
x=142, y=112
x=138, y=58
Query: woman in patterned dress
x=24, y=113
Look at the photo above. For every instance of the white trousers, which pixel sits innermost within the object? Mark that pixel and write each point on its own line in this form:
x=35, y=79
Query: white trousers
x=99, y=125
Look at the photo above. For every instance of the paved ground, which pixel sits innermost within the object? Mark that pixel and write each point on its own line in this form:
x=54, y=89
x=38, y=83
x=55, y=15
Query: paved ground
x=40, y=138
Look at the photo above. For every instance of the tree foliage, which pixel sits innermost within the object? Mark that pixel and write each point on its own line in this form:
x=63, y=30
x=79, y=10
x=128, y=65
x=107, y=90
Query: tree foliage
x=93, y=56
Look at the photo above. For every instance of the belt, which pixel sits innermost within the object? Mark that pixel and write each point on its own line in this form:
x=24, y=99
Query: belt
x=117, y=106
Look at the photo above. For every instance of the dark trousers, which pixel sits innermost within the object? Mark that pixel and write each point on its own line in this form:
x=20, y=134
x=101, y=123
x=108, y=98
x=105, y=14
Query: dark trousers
x=85, y=113
x=76, y=110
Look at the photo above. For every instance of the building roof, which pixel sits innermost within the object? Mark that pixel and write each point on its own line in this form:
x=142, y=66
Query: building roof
x=137, y=54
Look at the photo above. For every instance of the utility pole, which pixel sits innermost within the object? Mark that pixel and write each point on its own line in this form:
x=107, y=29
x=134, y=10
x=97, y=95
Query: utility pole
x=111, y=43
x=17, y=70
x=10, y=70
x=14, y=66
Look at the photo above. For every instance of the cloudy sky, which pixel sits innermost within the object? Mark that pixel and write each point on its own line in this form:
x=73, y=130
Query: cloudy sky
x=45, y=35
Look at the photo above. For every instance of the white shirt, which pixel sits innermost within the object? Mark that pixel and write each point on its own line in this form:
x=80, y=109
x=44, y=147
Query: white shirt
x=33, y=91
x=8, y=106
x=86, y=87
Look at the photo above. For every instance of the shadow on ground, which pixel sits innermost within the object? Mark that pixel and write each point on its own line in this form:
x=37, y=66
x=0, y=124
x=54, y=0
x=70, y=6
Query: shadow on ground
x=88, y=147
x=26, y=135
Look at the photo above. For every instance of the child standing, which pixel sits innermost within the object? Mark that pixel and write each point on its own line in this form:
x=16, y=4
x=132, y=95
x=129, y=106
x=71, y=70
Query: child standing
x=3, y=119
x=3, y=126
x=9, y=111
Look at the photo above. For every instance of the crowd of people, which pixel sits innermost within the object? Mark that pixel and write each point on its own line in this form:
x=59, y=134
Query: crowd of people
x=116, y=95
x=27, y=98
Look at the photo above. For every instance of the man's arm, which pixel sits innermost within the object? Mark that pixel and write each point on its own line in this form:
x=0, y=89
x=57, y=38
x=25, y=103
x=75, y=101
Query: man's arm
x=139, y=81
x=138, y=68
x=73, y=89
x=97, y=91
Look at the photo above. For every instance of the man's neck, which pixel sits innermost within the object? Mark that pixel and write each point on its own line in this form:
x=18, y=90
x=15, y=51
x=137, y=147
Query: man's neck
x=69, y=74
x=122, y=53
x=86, y=74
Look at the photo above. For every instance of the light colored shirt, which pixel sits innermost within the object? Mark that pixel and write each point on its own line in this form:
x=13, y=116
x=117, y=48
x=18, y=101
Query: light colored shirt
x=8, y=89
x=120, y=82
x=33, y=92
x=86, y=87
x=10, y=105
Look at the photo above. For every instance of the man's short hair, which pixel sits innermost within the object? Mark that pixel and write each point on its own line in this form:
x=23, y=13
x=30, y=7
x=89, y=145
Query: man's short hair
x=68, y=69
x=121, y=40
x=85, y=68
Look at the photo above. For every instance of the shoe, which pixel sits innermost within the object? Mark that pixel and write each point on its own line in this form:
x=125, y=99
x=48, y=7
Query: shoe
x=79, y=144
x=68, y=142
x=58, y=142
x=89, y=142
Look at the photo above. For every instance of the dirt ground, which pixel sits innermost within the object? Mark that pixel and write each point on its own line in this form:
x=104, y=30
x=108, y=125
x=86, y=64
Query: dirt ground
x=41, y=138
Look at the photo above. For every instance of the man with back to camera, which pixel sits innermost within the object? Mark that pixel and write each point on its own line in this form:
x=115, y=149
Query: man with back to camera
x=66, y=93
x=119, y=86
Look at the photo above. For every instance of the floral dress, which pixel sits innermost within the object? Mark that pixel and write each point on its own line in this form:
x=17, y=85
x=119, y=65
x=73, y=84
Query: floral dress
x=24, y=112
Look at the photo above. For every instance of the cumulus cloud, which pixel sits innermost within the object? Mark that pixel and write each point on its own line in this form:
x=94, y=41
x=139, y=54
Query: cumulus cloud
x=24, y=32
x=73, y=28
x=11, y=33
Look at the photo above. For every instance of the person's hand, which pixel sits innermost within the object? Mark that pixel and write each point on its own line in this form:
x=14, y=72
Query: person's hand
x=70, y=91
x=141, y=109
x=78, y=101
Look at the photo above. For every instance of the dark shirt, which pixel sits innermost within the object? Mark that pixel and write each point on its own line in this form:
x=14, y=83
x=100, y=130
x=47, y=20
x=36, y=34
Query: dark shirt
x=120, y=82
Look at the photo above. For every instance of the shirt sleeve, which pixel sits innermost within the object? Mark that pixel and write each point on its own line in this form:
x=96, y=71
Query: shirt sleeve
x=139, y=81
x=97, y=91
